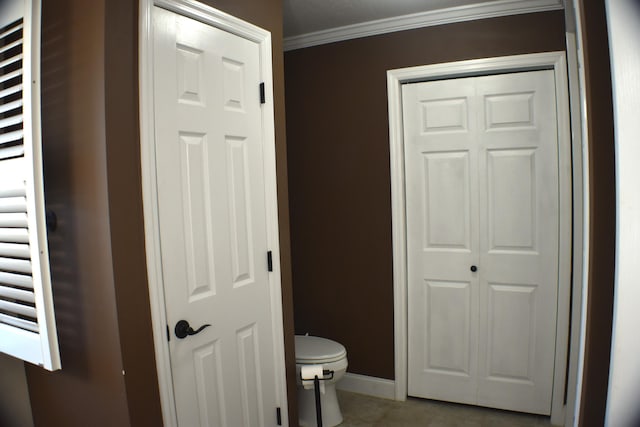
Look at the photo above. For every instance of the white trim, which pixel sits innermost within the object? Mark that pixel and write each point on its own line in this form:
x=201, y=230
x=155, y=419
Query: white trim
x=580, y=320
x=364, y=384
x=565, y=243
x=398, y=228
x=622, y=20
x=580, y=219
x=32, y=125
x=395, y=78
x=226, y=22
x=450, y=15
x=150, y=203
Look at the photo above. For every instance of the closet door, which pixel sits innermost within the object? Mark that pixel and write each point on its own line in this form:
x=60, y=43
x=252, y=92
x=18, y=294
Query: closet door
x=482, y=239
x=441, y=166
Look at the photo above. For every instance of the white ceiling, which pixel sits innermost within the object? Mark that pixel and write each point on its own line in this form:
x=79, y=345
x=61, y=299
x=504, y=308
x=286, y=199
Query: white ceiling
x=307, y=16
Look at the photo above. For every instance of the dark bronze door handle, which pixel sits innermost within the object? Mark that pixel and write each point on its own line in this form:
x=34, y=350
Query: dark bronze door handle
x=183, y=329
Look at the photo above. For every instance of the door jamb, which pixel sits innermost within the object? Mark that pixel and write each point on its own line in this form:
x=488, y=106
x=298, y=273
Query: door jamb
x=231, y=24
x=570, y=171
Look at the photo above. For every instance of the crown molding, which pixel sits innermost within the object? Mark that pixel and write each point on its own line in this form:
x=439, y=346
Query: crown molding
x=451, y=15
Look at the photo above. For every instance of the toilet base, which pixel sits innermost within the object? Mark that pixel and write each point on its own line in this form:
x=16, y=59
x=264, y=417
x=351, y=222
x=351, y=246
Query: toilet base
x=331, y=415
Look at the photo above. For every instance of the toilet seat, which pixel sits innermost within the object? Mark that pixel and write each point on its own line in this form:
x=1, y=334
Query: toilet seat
x=317, y=350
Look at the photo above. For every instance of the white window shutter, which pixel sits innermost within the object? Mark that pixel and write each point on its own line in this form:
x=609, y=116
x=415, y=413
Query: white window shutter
x=27, y=322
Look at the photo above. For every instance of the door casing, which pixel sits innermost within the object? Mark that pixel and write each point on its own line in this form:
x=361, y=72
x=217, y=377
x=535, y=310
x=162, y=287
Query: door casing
x=570, y=163
x=231, y=24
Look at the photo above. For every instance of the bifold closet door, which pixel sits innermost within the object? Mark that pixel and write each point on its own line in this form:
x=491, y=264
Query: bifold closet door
x=482, y=239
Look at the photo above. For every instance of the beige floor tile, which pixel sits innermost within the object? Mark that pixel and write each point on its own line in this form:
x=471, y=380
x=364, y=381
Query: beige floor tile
x=366, y=411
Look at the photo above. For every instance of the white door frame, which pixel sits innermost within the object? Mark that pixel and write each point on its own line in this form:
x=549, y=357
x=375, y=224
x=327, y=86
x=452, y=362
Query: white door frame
x=570, y=172
x=223, y=21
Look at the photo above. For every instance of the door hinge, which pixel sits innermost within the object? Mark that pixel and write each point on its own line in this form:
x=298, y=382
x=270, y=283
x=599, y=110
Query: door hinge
x=262, y=95
x=279, y=416
x=168, y=334
x=269, y=261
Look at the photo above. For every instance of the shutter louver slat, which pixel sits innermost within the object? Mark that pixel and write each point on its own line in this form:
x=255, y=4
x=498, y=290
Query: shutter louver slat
x=18, y=280
x=17, y=294
x=13, y=191
x=15, y=265
x=12, y=30
x=14, y=250
x=10, y=46
x=10, y=106
x=11, y=90
x=21, y=309
x=11, y=152
x=11, y=121
x=13, y=204
x=11, y=136
x=11, y=75
x=14, y=235
x=19, y=323
x=13, y=220
x=10, y=61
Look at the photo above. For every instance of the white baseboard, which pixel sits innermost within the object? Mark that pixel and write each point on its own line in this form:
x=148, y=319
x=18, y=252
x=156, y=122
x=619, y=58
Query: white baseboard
x=372, y=386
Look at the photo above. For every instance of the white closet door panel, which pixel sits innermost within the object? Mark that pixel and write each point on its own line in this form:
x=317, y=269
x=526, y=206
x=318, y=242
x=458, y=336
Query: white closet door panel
x=482, y=191
x=442, y=239
x=519, y=240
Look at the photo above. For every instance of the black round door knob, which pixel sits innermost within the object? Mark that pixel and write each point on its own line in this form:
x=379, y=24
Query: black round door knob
x=474, y=268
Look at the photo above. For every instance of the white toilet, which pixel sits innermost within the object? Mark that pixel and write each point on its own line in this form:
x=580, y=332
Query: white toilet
x=333, y=357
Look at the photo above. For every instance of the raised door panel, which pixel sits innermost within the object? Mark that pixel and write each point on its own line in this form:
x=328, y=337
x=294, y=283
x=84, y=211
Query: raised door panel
x=250, y=376
x=196, y=205
x=242, y=251
x=447, y=207
x=511, y=200
x=444, y=115
x=447, y=331
x=511, y=338
x=207, y=361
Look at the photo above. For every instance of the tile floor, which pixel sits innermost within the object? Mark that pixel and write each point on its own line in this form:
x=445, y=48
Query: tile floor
x=359, y=410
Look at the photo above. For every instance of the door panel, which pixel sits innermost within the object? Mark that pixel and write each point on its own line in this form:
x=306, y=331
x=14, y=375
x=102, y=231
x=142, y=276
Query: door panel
x=447, y=208
x=442, y=241
x=511, y=200
x=518, y=235
x=511, y=339
x=208, y=374
x=447, y=331
x=211, y=205
x=240, y=212
x=482, y=190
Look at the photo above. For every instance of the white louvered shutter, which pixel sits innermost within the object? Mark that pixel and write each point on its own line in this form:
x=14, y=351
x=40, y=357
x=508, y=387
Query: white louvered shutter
x=27, y=323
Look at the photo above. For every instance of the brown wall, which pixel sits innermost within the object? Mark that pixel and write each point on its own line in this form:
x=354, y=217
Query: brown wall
x=602, y=212
x=92, y=179
x=91, y=386
x=15, y=408
x=125, y=213
x=339, y=182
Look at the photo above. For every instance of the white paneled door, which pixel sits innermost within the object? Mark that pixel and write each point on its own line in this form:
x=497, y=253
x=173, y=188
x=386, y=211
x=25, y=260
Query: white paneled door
x=481, y=168
x=213, y=236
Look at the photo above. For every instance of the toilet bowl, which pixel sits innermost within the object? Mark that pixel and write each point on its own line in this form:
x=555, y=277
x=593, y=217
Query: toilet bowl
x=332, y=356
